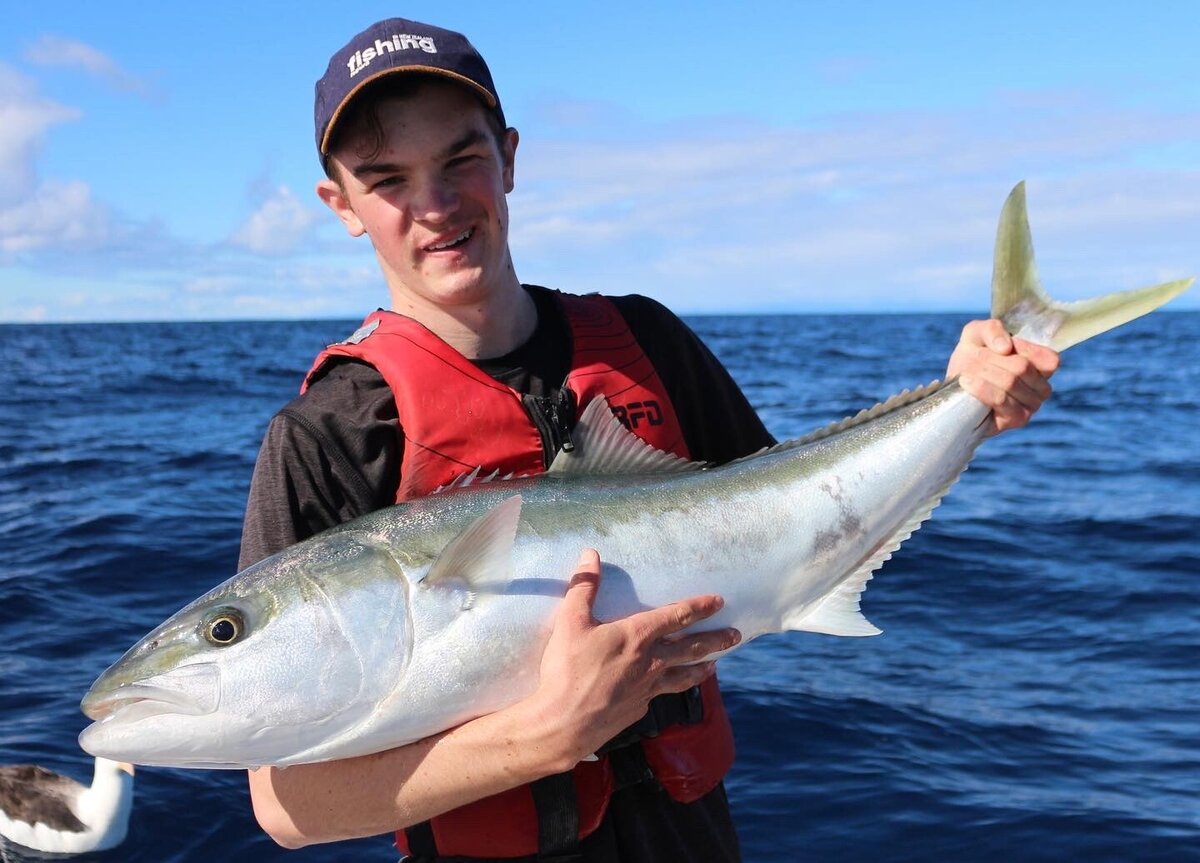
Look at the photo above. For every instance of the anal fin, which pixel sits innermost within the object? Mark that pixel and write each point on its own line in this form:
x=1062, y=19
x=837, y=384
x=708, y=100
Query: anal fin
x=839, y=613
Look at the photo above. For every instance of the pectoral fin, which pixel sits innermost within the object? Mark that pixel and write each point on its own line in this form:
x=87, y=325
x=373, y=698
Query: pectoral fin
x=480, y=556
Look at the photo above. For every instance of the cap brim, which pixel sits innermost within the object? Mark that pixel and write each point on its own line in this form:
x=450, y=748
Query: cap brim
x=488, y=99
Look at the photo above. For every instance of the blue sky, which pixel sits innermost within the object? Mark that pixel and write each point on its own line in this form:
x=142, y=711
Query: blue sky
x=157, y=160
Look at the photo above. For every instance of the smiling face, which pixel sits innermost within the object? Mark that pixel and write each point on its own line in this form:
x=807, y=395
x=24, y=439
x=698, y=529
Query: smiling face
x=431, y=197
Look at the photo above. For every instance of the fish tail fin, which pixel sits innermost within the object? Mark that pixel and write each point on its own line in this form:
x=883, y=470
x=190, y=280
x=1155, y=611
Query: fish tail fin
x=1027, y=311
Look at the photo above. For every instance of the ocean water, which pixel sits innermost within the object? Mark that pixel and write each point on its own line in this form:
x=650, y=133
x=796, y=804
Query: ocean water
x=1034, y=697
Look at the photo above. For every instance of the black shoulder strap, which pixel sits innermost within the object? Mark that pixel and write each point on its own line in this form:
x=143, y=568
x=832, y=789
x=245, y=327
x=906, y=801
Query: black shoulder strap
x=558, y=818
x=420, y=841
x=558, y=824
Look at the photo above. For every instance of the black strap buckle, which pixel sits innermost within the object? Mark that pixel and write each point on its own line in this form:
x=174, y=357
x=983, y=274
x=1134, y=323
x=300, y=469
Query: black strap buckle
x=673, y=708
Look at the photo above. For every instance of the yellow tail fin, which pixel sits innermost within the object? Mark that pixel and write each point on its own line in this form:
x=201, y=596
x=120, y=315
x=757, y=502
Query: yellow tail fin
x=1027, y=311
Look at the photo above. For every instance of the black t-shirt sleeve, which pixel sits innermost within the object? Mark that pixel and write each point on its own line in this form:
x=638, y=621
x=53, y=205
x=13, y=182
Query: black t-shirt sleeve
x=719, y=423
x=329, y=456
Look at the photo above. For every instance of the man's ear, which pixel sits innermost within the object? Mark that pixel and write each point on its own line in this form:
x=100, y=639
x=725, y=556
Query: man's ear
x=335, y=199
x=508, y=150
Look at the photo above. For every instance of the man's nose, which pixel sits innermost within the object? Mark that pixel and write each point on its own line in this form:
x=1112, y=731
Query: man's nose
x=435, y=200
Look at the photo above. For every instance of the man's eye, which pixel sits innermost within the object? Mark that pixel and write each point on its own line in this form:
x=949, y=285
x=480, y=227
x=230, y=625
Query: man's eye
x=387, y=182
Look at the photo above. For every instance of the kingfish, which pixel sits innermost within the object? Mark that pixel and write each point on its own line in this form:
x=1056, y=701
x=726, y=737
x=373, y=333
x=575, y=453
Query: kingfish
x=421, y=616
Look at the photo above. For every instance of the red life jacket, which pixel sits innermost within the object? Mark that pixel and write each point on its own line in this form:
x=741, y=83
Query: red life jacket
x=454, y=418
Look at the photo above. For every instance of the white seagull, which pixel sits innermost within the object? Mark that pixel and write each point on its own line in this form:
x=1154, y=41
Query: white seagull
x=41, y=810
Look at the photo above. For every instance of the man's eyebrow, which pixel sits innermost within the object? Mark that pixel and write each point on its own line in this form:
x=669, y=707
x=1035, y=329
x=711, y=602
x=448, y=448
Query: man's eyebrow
x=368, y=168
x=470, y=139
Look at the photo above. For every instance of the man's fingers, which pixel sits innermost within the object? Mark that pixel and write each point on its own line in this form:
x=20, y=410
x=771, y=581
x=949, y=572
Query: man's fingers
x=998, y=378
x=681, y=649
x=1012, y=407
x=646, y=627
x=683, y=677
x=992, y=336
x=1044, y=359
x=670, y=619
x=1005, y=397
x=1025, y=383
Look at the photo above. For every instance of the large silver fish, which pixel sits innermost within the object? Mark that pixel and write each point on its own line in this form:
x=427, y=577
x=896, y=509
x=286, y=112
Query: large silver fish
x=421, y=616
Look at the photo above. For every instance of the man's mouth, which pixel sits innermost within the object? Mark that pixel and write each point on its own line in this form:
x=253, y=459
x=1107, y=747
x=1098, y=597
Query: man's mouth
x=452, y=243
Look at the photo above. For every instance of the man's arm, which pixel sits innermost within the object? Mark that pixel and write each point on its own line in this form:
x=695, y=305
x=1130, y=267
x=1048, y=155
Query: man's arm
x=596, y=679
x=1009, y=375
x=329, y=456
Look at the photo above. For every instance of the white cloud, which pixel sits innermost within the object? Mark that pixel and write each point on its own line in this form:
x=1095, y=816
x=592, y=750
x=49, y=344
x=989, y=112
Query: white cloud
x=25, y=118
x=58, y=214
x=280, y=226
x=39, y=214
x=281, y=289
x=879, y=211
x=72, y=54
x=26, y=314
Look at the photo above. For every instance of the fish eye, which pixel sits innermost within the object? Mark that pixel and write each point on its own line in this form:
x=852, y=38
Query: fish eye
x=224, y=627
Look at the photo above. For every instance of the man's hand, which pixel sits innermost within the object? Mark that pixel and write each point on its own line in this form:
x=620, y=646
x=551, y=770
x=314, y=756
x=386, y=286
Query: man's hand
x=597, y=678
x=1009, y=375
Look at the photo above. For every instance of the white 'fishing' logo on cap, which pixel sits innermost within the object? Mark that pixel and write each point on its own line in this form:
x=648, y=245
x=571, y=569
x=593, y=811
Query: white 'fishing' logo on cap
x=399, y=42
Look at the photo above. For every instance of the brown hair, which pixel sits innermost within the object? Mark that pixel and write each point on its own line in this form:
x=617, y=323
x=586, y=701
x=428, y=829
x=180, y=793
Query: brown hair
x=360, y=119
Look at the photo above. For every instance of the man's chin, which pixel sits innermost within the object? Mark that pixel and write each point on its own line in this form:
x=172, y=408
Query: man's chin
x=463, y=288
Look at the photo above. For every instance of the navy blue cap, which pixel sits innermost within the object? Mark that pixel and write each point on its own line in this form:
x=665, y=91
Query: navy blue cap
x=397, y=45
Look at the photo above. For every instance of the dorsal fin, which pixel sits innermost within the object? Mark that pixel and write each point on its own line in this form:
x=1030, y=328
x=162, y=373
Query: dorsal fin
x=900, y=400
x=603, y=446
x=470, y=479
x=480, y=556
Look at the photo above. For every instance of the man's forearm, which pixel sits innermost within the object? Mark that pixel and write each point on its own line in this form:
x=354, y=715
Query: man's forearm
x=387, y=791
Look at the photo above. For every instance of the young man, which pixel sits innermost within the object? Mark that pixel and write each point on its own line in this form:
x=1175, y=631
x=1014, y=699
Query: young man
x=469, y=367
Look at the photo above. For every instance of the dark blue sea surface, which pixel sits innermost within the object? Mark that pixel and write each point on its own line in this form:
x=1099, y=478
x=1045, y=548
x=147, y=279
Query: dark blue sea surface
x=1035, y=695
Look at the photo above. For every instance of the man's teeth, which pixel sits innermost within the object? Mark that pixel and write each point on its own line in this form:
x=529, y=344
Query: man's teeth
x=460, y=238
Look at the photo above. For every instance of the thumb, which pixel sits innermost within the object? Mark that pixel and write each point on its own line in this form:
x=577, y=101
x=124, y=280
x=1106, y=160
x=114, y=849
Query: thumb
x=583, y=586
x=996, y=337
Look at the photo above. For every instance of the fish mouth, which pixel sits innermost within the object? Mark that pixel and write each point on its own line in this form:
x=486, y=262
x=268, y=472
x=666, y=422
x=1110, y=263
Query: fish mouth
x=191, y=691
